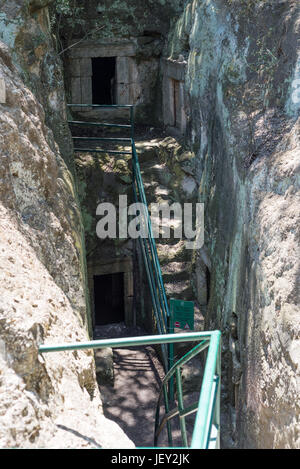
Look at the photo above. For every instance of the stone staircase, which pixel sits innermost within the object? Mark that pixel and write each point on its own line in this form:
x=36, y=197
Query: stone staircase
x=175, y=259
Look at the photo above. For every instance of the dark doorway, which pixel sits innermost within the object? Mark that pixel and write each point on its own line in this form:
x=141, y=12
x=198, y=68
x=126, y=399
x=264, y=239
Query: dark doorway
x=109, y=298
x=103, y=80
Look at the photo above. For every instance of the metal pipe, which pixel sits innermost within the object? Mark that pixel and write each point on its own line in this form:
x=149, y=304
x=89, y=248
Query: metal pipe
x=95, y=150
x=211, y=411
x=191, y=409
x=188, y=356
x=127, y=341
x=102, y=105
x=106, y=139
x=199, y=434
x=181, y=407
x=100, y=124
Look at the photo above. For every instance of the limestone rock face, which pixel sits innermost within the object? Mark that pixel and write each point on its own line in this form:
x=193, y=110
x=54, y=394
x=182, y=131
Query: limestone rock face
x=270, y=355
x=242, y=81
x=51, y=400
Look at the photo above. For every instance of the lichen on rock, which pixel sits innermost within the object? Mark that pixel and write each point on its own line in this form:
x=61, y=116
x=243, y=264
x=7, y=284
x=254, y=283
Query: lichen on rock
x=46, y=401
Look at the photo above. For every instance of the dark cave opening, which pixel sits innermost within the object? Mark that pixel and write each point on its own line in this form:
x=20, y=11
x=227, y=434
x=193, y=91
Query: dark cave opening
x=103, y=80
x=109, y=298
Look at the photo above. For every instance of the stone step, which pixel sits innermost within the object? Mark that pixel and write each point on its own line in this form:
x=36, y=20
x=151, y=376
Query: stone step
x=151, y=166
x=157, y=193
x=147, y=152
x=172, y=252
x=176, y=271
x=156, y=172
x=180, y=289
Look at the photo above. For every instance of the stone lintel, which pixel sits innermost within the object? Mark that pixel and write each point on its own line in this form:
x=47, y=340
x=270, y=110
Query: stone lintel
x=110, y=266
x=91, y=50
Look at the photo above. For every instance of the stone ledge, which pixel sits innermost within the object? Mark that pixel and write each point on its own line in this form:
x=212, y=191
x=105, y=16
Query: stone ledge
x=2, y=91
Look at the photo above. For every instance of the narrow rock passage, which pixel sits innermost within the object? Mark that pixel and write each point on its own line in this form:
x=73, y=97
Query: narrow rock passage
x=132, y=401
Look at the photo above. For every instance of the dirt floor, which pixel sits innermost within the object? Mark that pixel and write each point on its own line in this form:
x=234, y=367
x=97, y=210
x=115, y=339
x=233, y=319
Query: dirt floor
x=132, y=401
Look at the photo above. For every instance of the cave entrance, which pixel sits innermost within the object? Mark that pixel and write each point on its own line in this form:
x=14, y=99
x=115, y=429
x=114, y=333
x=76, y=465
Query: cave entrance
x=109, y=298
x=103, y=80
x=174, y=95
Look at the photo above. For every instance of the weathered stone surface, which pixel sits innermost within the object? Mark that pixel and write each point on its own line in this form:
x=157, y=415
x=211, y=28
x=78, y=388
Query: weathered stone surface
x=242, y=72
x=129, y=30
x=131, y=19
x=2, y=91
x=104, y=366
x=35, y=5
x=192, y=374
x=45, y=400
x=242, y=62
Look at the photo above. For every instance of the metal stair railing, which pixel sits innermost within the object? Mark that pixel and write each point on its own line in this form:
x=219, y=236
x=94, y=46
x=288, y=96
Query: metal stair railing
x=206, y=433
x=148, y=246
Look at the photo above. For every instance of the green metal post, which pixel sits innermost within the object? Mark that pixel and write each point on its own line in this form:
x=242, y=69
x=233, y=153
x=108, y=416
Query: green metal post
x=170, y=440
x=132, y=122
x=218, y=403
x=181, y=407
x=200, y=430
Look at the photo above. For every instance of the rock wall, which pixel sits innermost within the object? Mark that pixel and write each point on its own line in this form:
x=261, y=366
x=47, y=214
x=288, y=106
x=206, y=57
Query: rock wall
x=25, y=29
x=242, y=74
x=133, y=32
x=242, y=69
x=50, y=400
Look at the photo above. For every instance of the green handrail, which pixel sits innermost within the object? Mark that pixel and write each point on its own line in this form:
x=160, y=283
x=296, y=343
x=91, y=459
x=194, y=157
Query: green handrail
x=208, y=408
x=204, y=415
x=138, y=180
x=148, y=247
x=153, y=258
x=100, y=124
x=130, y=107
x=126, y=342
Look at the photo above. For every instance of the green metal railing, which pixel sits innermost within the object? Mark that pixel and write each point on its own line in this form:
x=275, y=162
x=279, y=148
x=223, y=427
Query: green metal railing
x=207, y=423
x=105, y=124
x=148, y=246
x=206, y=433
x=151, y=261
